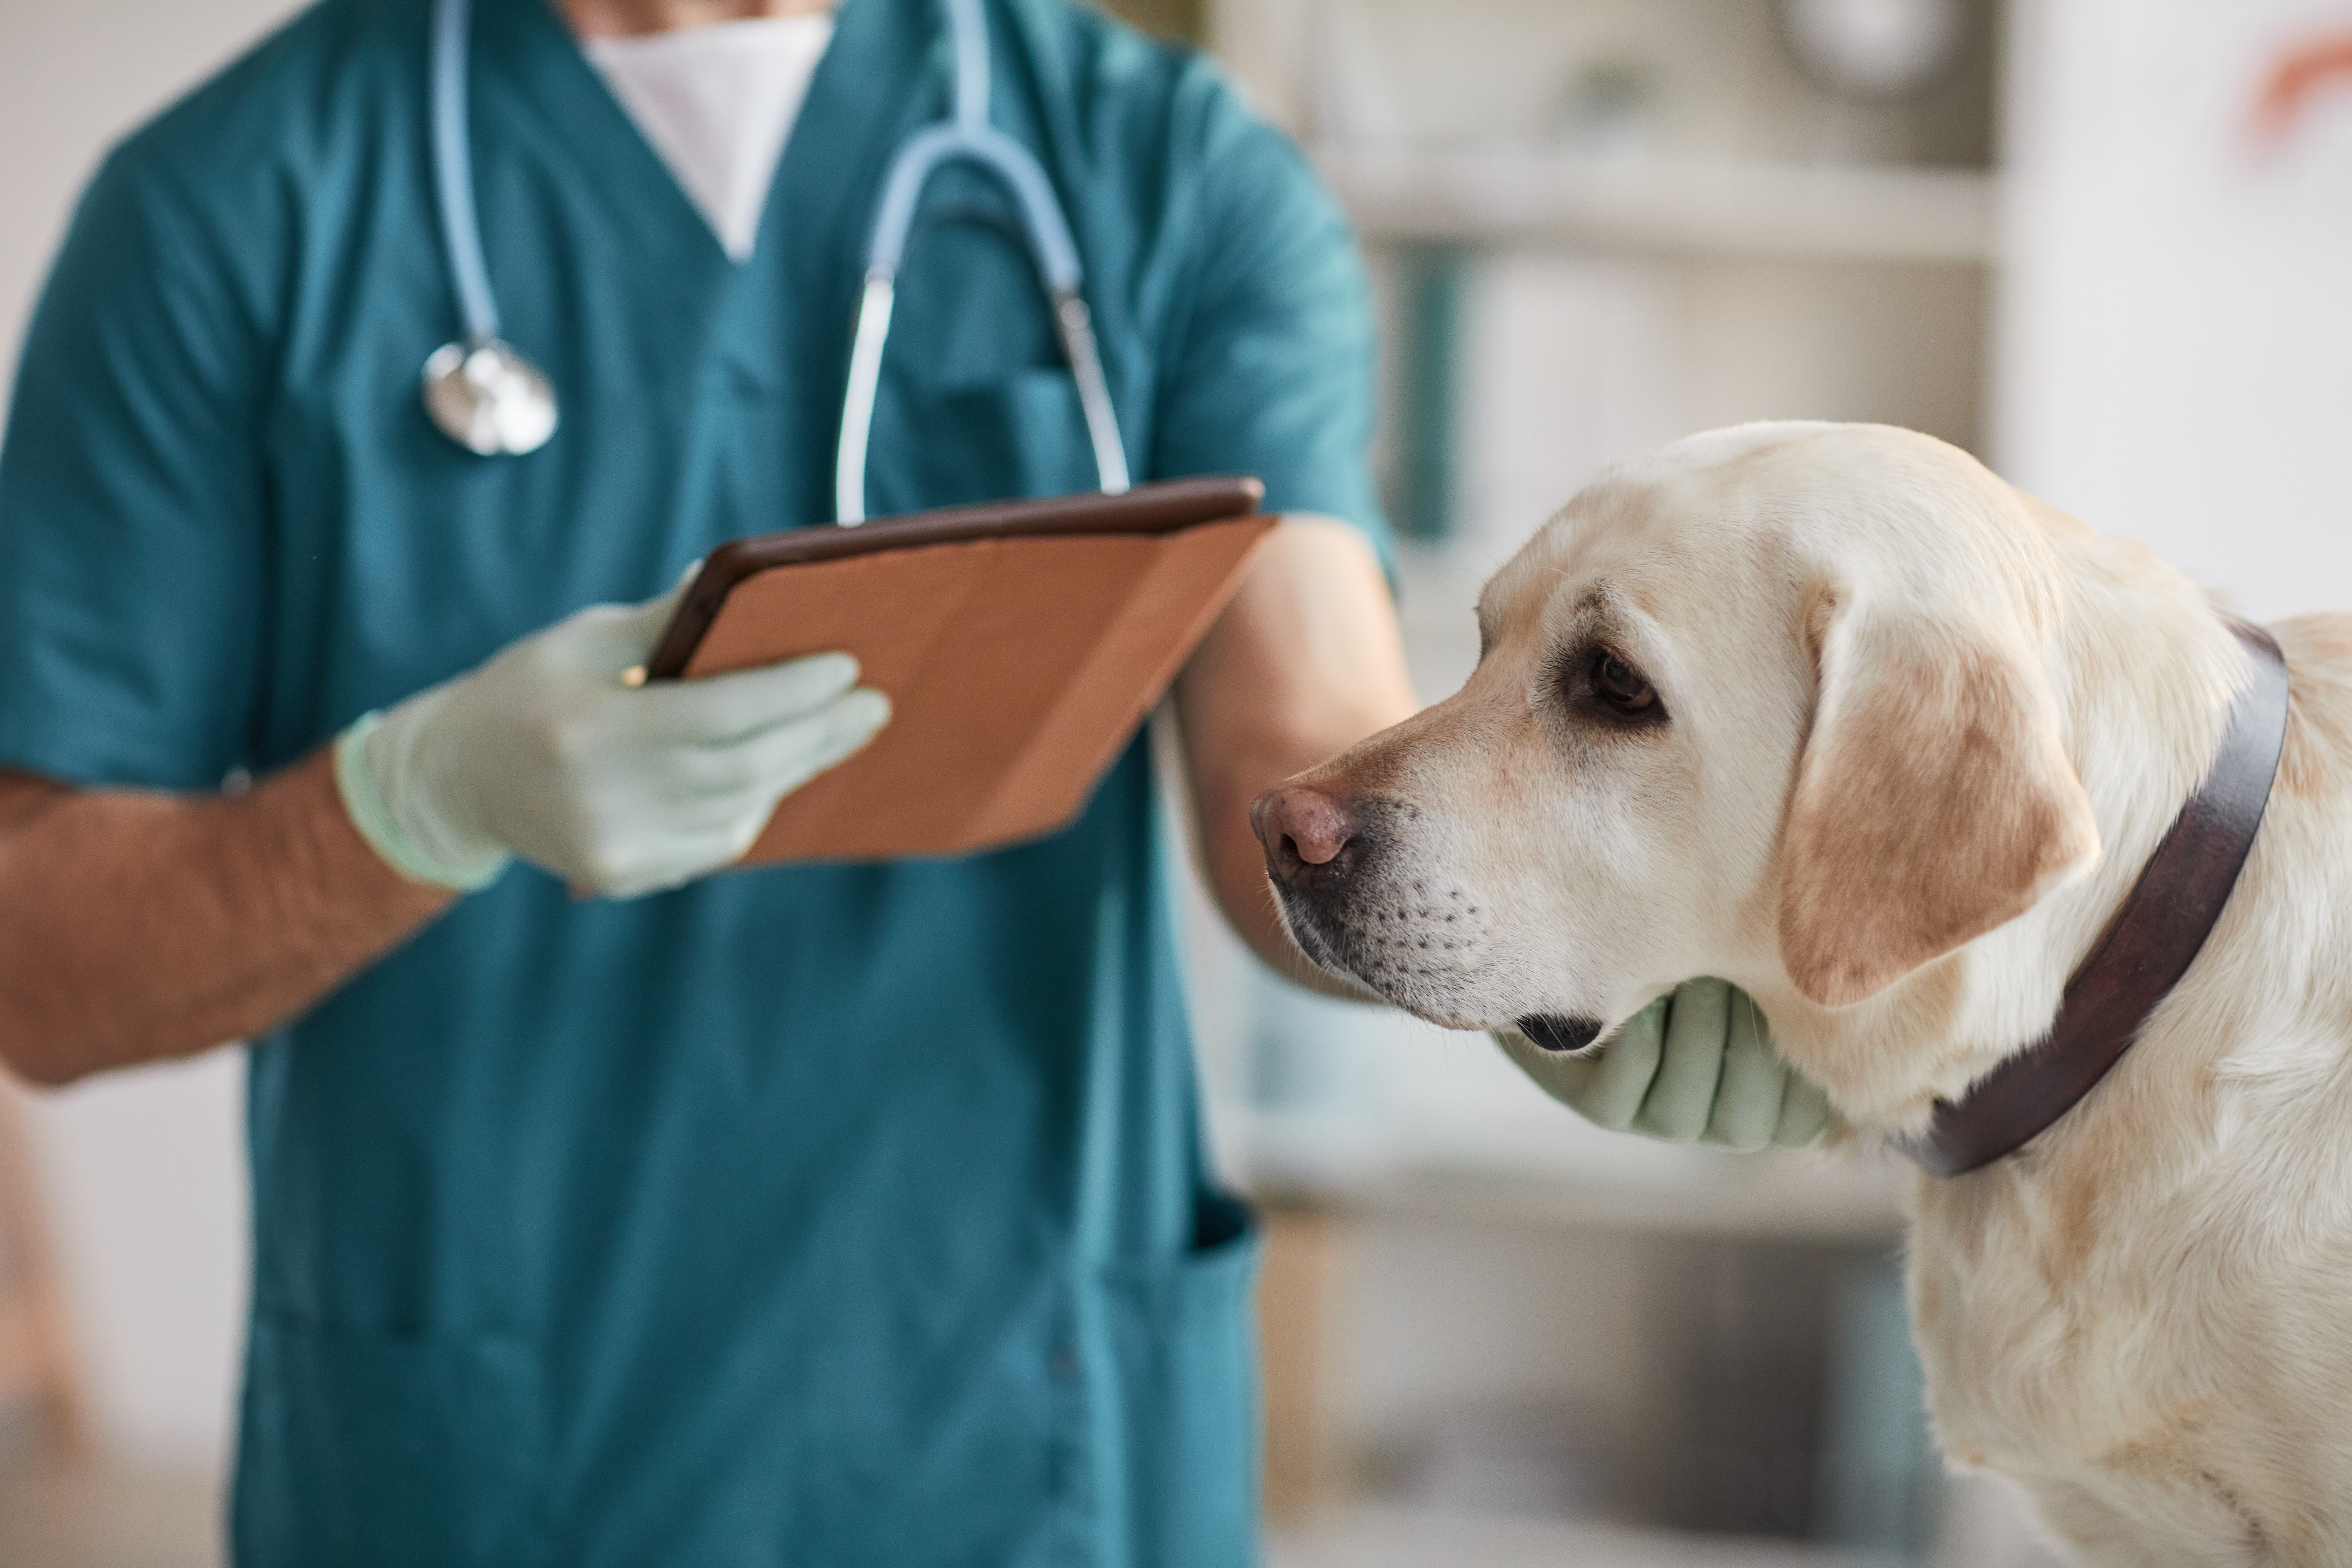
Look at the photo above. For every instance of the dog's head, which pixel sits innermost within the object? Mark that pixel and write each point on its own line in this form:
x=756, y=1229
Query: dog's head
x=1773, y=703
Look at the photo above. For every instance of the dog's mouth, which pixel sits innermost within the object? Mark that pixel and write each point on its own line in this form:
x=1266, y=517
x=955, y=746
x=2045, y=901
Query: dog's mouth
x=1552, y=1033
x=1335, y=948
x=1330, y=941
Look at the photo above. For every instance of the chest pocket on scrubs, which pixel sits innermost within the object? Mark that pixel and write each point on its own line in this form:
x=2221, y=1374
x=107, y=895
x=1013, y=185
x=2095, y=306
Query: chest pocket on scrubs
x=976, y=402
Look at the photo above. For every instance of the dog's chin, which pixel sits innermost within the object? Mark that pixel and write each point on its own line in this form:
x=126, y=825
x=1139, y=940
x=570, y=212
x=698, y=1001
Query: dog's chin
x=1559, y=1035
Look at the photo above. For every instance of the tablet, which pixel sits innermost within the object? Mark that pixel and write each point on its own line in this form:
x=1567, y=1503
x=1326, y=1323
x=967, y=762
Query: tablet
x=1022, y=644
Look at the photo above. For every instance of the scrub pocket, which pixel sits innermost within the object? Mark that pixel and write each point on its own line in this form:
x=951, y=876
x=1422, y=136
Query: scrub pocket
x=361, y=1447
x=1187, y=1347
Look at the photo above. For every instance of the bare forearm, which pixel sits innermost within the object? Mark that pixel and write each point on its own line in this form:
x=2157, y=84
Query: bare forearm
x=1307, y=661
x=136, y=926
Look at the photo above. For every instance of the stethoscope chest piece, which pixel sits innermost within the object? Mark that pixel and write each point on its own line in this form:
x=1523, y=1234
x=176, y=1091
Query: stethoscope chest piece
x=489, y=399
x=481, y=391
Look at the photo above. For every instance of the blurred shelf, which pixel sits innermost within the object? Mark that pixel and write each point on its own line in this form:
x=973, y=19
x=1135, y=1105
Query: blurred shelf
x=1566, y=1173
x=1371, y=1536
x=1525, y=195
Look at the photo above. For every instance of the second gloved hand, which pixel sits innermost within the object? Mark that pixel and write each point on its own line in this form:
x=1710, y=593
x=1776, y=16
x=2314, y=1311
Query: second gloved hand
x=1697, y=1065
x=547, y=752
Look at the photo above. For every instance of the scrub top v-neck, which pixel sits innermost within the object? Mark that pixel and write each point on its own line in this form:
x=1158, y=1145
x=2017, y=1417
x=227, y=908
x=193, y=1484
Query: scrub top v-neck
x=831, y=1214
x=718, y=102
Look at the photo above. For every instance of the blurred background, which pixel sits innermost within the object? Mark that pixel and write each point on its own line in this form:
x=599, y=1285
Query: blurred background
x=2105, y=244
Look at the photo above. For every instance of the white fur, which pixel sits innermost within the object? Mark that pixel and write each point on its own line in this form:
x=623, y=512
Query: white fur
x=2143, y=1316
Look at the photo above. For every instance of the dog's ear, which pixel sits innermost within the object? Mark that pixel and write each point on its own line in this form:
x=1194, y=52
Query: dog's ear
x=1934, y=801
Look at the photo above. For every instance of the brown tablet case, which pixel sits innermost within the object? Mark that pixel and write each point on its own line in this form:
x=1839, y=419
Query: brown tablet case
x=1020, y=646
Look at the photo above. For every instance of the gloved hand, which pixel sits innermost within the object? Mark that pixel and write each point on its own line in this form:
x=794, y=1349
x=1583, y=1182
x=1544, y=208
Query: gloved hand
x=546, y=752
x=1697, y=1064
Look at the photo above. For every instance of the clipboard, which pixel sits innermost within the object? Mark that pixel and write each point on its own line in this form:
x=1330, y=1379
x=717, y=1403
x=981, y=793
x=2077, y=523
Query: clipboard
x=1021, y=644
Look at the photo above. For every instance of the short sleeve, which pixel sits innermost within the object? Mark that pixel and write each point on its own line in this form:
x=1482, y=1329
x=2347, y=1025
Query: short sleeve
x=132, y=496
x=1271, y=369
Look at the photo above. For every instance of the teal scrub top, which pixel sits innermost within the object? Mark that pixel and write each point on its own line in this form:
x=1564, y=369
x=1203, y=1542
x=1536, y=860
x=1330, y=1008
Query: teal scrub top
x=826, y=1215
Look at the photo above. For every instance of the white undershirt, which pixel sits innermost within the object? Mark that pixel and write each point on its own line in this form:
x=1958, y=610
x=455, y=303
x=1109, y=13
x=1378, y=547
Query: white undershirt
x=717, y=102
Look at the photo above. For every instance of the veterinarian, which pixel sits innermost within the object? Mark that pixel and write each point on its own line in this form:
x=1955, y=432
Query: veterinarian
x=828, y=1213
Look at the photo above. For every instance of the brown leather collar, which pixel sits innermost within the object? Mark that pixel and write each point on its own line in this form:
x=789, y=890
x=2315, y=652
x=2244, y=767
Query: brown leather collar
x=2147, y=949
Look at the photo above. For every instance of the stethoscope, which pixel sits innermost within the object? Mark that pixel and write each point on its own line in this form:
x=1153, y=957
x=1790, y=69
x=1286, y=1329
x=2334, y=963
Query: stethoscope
x=485, y=395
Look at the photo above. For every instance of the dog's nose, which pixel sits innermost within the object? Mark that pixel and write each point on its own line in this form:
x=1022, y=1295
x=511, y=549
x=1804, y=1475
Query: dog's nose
x=1302, y=830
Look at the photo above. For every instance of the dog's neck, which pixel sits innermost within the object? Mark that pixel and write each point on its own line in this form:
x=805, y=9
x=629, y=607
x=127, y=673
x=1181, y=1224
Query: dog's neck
x=2145, y=669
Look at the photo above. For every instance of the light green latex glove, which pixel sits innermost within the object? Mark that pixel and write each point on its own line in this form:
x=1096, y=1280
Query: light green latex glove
x=1694, y=1066
x=547, y=751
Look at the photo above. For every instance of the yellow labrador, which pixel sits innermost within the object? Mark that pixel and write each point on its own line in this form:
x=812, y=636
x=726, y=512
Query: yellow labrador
x=1832, y=712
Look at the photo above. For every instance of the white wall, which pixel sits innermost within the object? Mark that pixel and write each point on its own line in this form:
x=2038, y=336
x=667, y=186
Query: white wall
x=144, y=1170
x=73, y=76
x=2174, y=330
x=146, y=1186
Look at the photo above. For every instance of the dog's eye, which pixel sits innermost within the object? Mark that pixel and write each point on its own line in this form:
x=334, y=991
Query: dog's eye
x=1620, y=685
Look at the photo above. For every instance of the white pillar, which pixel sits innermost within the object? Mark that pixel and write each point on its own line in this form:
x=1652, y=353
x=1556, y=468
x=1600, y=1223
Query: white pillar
x=2174, y=327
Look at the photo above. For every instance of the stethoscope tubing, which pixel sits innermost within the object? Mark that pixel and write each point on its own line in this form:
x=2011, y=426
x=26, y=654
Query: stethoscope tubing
x=453, y=171
x=1053, y=250
x=966, y=136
